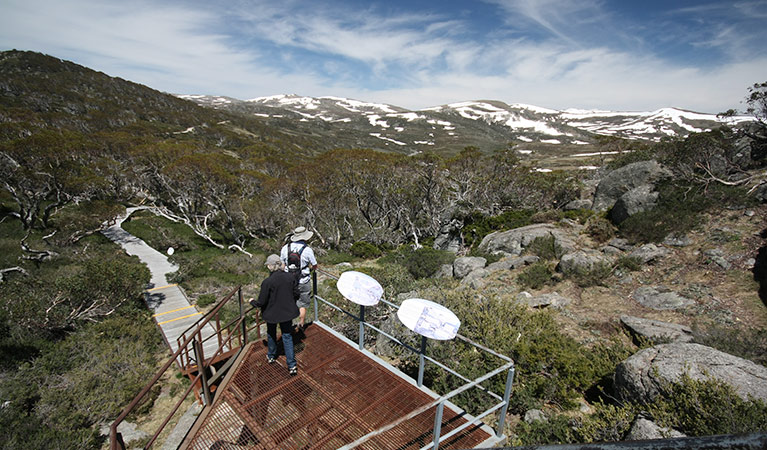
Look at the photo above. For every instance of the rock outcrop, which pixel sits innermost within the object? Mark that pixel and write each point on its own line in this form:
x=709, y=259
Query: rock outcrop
x=581, y=262
x=624, y=179
x=655, y=330
x=466, y=264
x=513, y=242
x=644, y=429
x=641, y=377
x=634, y=201
x=660, y=298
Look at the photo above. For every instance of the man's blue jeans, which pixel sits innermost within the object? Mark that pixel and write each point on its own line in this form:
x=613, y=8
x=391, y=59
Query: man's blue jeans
x=287, y=341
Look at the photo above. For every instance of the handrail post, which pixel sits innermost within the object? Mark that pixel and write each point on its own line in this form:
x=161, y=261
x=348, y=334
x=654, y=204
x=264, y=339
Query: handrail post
x=116, y=439
x=438, y=424
x=203, y=373
x=362, y=327
x=506, y=395
x=421, y=361
x=243, y=325
x=314, y=294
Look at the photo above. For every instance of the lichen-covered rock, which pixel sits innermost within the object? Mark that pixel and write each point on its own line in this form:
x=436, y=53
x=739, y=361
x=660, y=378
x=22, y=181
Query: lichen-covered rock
x=644, y=429
x=466, y=264
x=514, y=262
x=513, y=242
x=639, y=199
x=649, y=253
x=640, y=377
x=475, y=278
x=552, y=299
x=660, y=298
x=624, y=179
x=535, y=415
x=655, y=330
x=580, y=262
x=579, y=204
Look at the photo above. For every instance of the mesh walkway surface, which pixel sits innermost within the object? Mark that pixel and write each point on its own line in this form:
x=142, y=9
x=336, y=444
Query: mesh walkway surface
x=339, y=395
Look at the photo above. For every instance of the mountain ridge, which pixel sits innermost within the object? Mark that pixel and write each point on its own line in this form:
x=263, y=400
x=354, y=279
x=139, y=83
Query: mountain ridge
x=488, y=124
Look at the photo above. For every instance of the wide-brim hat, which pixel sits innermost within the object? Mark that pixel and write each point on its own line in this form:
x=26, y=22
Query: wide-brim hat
x=301, y=234
x=272, y=260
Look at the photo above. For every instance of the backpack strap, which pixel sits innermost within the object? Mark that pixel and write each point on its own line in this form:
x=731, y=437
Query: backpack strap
x=300, y=263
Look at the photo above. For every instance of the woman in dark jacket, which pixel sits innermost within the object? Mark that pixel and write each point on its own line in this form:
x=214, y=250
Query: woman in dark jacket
x=277, y=301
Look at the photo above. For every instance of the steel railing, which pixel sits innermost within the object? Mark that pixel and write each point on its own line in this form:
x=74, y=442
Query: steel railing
x=503, y=400
x=190, y=359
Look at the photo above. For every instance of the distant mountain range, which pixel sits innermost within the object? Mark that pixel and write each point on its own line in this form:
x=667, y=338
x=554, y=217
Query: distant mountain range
x=39, y=91
x=486, y=124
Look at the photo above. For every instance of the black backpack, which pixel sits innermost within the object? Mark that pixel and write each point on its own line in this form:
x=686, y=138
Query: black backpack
x=294, y=259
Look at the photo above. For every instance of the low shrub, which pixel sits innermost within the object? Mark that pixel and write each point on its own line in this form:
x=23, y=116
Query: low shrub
x=629, y=263
x=477, y=225
x=707, y=407
x=748, y=343
x=394, y=278
x=600, y=229
x=206, y=300
x=425, y=261
x=536, y=275
x=591, y=276
x=680, y=209
x=365, y=250
x=551, y=366
x=608, y=423
x=545, y=247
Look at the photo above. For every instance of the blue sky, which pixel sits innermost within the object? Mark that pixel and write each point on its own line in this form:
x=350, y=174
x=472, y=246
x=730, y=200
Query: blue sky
x=617, y=55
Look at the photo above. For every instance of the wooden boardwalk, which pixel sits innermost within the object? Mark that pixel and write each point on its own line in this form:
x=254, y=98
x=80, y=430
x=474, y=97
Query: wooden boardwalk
x=172, y=310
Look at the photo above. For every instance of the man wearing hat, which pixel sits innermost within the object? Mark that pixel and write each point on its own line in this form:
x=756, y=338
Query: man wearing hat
x=299, y=258
x=277, y=301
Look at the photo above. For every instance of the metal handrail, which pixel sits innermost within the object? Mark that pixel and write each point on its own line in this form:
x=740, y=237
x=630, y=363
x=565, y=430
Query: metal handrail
x=116, y=441
x=185, y=361
x=439, y=402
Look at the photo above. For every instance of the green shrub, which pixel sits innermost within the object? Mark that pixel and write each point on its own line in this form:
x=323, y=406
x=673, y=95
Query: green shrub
x=536, y=275
x=707, y=407
x=559, y=429
x=551, y=366
x=545, y=247
x=365, y=250
x=579, y=215
x=630, y=263
x=477, y=225
x=206, y=300
x=608, y=423
x=600, y=229
x=591, y=276
x=748, y=343
x=680, y=209
x=425, y=261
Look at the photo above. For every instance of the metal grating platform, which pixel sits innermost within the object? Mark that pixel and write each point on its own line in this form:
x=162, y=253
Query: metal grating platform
x=339, y=395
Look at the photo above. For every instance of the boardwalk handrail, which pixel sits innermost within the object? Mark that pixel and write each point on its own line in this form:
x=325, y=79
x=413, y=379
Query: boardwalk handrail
x=185, y=360
x=193, y=338
x=439, y=402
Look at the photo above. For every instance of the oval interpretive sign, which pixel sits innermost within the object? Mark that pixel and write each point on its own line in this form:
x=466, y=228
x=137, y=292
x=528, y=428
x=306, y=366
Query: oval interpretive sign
x=359, y=288
x=429, y=319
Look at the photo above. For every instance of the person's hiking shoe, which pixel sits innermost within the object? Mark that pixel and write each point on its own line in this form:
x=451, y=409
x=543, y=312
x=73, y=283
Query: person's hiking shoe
x=293, y=371
x=270, y=360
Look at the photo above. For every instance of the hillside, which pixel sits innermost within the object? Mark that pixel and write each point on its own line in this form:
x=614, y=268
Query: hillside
x=489, y=125
x=43, y=92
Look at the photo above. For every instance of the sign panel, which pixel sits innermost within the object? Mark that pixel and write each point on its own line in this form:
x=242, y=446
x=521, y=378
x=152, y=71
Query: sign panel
x=359, y=288
x=429, y=319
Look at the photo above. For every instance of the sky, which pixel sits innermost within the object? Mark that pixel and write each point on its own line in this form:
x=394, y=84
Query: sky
x=589, y=54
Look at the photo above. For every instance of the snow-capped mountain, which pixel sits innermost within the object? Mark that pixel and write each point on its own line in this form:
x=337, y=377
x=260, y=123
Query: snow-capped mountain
x=486, y=124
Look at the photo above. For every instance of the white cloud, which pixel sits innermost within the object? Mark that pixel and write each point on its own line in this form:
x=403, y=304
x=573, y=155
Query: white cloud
x=411, y=59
